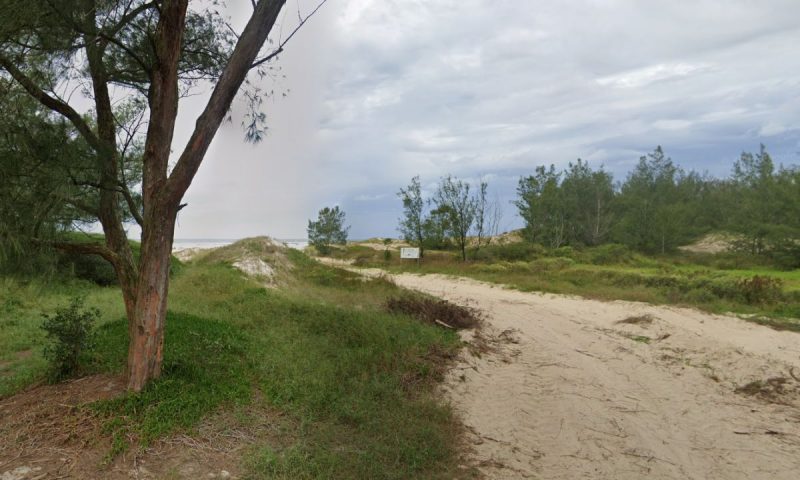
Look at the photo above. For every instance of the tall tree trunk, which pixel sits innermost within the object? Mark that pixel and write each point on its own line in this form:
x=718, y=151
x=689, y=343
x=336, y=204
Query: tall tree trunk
x=146, y=327
x=162, y=194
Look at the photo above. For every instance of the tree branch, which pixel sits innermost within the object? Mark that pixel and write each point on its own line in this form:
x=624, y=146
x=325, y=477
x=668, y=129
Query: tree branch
x=51, y=102
x=131, y=204
x=127, y=18
x=88, y=248
x=233, y=75
x=284, y=42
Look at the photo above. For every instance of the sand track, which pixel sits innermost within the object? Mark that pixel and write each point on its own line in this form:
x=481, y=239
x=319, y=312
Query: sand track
x=575, y=394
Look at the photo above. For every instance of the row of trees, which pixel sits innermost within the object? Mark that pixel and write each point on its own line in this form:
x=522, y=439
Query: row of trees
x=660, y=206
x=656, y=208
x=455, y=212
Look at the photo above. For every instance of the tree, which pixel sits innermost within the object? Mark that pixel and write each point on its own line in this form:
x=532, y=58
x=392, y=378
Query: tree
x=588, y=195
x=435, y=229
x=482, y=211
x=134, y=60
x=651, y=205
x=541, y=205
x=413, y=219
x=328, y=230
x=454, y=202
x=763, y=206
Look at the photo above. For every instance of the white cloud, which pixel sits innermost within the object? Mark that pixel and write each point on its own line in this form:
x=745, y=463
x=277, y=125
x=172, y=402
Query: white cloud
x=382, y=90
x=772, y=128
x=655, y=73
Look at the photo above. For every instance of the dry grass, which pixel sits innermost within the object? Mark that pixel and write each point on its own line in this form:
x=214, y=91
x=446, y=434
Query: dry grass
x=435, y=311
x=645, y=319
x=770, y=389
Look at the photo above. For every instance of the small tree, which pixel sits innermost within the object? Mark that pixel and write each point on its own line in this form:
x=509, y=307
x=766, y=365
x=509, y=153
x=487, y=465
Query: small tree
x=69, y=333
x=459, y=207
x=328, y=230
x=412, y=222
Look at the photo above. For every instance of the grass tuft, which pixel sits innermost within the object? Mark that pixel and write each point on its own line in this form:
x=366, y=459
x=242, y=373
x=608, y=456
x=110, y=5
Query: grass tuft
x=435, y=311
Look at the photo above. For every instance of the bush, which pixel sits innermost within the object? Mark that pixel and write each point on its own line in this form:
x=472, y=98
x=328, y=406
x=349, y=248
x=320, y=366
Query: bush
x=552, y=264
x=510, y=252
x=491, y=268
x=69, y=331
x=92, y=268
x=760, y=290
x=564, y=252
x=610, y=253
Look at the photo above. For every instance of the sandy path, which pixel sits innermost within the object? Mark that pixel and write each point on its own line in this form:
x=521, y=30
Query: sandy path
x=575, y=395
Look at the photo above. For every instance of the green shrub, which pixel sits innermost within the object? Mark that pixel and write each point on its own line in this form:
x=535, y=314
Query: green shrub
x=69, y=332
x=760, y=290
x=510, y=252
x=565, y=252
x=90, y=267
x=491, y=268
x=609, y=254
x=552, y=264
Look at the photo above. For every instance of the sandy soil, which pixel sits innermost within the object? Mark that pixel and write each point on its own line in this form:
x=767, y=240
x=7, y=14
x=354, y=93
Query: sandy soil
x=574, y=394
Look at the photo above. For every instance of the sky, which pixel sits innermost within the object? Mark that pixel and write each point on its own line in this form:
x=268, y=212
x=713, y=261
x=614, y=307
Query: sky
x=370, y=93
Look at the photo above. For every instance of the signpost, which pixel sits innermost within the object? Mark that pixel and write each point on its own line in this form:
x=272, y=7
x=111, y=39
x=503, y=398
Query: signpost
x=410, y=253
x=407, y=252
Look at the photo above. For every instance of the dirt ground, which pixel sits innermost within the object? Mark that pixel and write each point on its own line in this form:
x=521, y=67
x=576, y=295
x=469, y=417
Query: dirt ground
x=621, y=390
x=47, y=432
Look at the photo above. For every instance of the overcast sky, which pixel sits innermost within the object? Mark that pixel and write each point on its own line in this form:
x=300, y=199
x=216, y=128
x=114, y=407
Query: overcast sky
x=378, y=91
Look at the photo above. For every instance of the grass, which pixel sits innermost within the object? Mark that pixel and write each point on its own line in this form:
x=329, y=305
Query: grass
x=716, y=283
x=355, y=384
x=22, y=303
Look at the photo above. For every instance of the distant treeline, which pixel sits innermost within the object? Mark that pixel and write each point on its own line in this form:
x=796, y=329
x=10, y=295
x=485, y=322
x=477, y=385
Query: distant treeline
x=656, y=208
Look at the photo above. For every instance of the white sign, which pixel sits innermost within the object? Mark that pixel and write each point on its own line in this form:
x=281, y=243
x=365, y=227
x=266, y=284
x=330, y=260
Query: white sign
x=407, y=252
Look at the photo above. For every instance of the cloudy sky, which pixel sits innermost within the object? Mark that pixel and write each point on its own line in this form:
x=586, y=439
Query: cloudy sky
x=377, y=91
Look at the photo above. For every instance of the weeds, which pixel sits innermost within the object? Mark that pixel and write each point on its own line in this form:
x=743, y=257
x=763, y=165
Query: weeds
x=435, y=311
x=645, y=319
x=771, y=389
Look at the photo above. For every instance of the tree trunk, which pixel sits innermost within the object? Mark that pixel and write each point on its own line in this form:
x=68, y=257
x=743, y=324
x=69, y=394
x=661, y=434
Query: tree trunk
x=146, y=326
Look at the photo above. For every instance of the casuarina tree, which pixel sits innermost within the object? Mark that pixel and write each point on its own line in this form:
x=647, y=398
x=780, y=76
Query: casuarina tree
x=328, y=230
x=133, y=61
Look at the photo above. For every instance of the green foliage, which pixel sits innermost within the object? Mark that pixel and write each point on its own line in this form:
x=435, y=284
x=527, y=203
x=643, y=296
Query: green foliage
x=611, y=253
x=413, y=219
x=353, y=385
x=660, y=207
x=328, y=230
x=205, y=365
x=761, y=290
x=458, y=210
x=511, y=252
x=766, y=214
x=69, y=331
x=728, y=282
x=573, y=206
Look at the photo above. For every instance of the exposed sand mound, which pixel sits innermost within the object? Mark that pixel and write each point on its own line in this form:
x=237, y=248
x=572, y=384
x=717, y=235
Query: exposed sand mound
x=260, y=257
x=711, y=243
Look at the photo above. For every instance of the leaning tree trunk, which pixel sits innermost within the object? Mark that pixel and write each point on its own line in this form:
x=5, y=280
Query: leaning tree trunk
x=162, y=193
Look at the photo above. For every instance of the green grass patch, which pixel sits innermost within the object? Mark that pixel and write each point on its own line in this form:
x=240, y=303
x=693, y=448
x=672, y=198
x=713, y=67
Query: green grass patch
x=720, y=283
x=205, y=365
x=355, y=384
